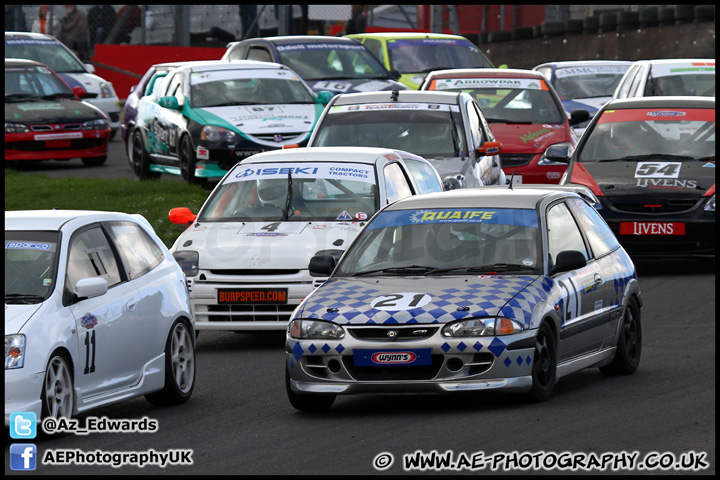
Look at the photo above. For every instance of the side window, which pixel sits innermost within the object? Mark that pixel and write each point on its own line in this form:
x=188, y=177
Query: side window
x=602, y=239
x=547, y=71
x=91, y=256
x=139, y=253
x=635, y=85
x=175, y=88
x=155, y=85
x=396, y=185
x=563, y=233
x=376, y=48
x=474, y=124
x=260, y=54
x=425, y=176
x=627, y=81
x=238, y=53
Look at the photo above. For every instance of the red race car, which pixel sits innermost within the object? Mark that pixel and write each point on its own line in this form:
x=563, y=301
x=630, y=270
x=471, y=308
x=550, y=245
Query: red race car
x=524, y=113
x=47, y=120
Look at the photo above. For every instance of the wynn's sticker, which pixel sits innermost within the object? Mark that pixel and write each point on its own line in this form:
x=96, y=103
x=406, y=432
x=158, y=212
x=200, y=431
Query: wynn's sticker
x=400, y=301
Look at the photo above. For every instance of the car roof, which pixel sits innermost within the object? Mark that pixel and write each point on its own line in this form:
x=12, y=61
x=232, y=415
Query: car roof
x=486, y=72
x=293, y=39
x=53, y=220
x=492, y=196
x=674, y=61
x=32, y=35
x=206, y=65
x=395, y=35
x=661, y=102
x=404, y=96
x=584, y=63
x=18, y=62
x=366, y=155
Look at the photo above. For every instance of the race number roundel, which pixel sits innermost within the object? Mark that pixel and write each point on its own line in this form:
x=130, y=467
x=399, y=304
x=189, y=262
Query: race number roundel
x=400, y=301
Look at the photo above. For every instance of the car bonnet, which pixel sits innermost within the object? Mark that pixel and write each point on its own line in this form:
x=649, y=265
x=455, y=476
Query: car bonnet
x=529, y=138
x=261, y=119
x=51, y=112
x=16, y=316
x=251, y=245
x=435, y=299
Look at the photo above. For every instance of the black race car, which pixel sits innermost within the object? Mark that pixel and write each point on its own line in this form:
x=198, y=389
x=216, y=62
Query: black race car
x=651, y=164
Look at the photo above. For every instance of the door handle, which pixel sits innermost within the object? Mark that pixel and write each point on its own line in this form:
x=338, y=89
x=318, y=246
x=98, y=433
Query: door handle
x=131, y=305
x=598, y=279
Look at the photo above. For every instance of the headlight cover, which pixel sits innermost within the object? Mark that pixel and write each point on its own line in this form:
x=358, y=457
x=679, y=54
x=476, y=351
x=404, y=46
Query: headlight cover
x=545, y=162
x=213, y=134
x=14, y=351
x=710, y=205
x=106, y=90
x=16, y=128
x=97, y=124
x=189, y=261
x=482, y=327
x=303, y=328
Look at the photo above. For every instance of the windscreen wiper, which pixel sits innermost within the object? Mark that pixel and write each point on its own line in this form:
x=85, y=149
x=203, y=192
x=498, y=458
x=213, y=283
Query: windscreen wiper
x=410, y=269
x=288, y=200
x=490, y=268
x=23, y=298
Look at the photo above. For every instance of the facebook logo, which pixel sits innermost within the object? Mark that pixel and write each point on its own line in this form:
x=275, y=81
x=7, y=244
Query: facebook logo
x=23, y=456
x=23, y=425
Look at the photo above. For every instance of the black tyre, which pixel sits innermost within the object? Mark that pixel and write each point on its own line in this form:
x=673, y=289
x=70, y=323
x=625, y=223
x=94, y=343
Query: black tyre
x=94, y=161
x=58, y=397
x=179, y=367
x=307, y=402
x=187, y=162
x=629, y=346
x=139, y=158
x=500, y=36
x=544, y=366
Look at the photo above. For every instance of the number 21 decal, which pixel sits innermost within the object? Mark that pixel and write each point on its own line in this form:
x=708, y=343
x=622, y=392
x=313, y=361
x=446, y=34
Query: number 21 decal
x=400, y=301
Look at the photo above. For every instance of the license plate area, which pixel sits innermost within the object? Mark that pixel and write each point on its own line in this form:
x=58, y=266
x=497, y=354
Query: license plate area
x=57, y=143
x=392, y=358
x=240, y=296
x=652, y=228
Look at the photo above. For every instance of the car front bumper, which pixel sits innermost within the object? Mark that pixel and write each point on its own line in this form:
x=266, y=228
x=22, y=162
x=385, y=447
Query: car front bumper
x=22, y=392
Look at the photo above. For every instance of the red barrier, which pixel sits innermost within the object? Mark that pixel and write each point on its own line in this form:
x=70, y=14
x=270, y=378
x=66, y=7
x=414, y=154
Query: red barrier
x=127, y=63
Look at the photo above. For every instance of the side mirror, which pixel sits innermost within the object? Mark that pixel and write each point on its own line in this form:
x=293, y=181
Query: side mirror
x=90, y=67
x=169, y=102
x=79, y=91
x=568, y=260
x=132, y=89
x=490, y=148
x=396, y=74
x=324, y=96
x=558, y=153
x=322, y=265
x=181, y=216
x=579, y=116
x=91, y=287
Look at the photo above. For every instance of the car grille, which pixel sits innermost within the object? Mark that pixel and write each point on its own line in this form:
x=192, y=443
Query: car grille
x=255, y=272
x=76, y=144
x=417, y=332
x=250, y=313
x=651, y=206
x=271, y=137
x=422, y=372
x=49, y=128
x=515, y=159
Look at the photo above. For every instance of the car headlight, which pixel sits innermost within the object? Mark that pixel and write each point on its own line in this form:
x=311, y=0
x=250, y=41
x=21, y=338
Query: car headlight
x=14, y=351
x=545, y=162
x=107, y=90
x=214, y=134
x=315, y=329
x=482, y=327
x=16, y=128
x=188, y=261
x=97, y=124
x=710, y=205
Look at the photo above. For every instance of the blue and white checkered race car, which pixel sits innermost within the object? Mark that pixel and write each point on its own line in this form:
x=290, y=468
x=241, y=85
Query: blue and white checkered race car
x=474, y=289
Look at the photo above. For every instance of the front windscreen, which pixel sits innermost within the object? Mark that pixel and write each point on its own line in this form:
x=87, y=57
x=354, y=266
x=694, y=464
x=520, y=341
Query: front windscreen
x=508, y=100
x=331, y=61
x=691, y=79
x=588, y=81
x=430, y=131
x=446, y=241
x=247, y=87
x=28, y=83
x=50, y=52
x=31, y=259
x=302, y=191
x=427, y=54
x=675, y=134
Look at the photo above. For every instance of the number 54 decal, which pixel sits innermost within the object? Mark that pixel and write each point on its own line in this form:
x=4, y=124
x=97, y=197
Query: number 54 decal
x=657, y=170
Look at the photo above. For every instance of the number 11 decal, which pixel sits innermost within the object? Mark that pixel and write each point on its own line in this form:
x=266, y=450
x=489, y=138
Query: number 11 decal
x=89, y=345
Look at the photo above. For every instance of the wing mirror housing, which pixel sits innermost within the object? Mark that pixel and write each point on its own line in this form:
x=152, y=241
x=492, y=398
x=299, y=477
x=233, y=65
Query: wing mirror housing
x=568, y=260
x=181, y=216
x=490, y=148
